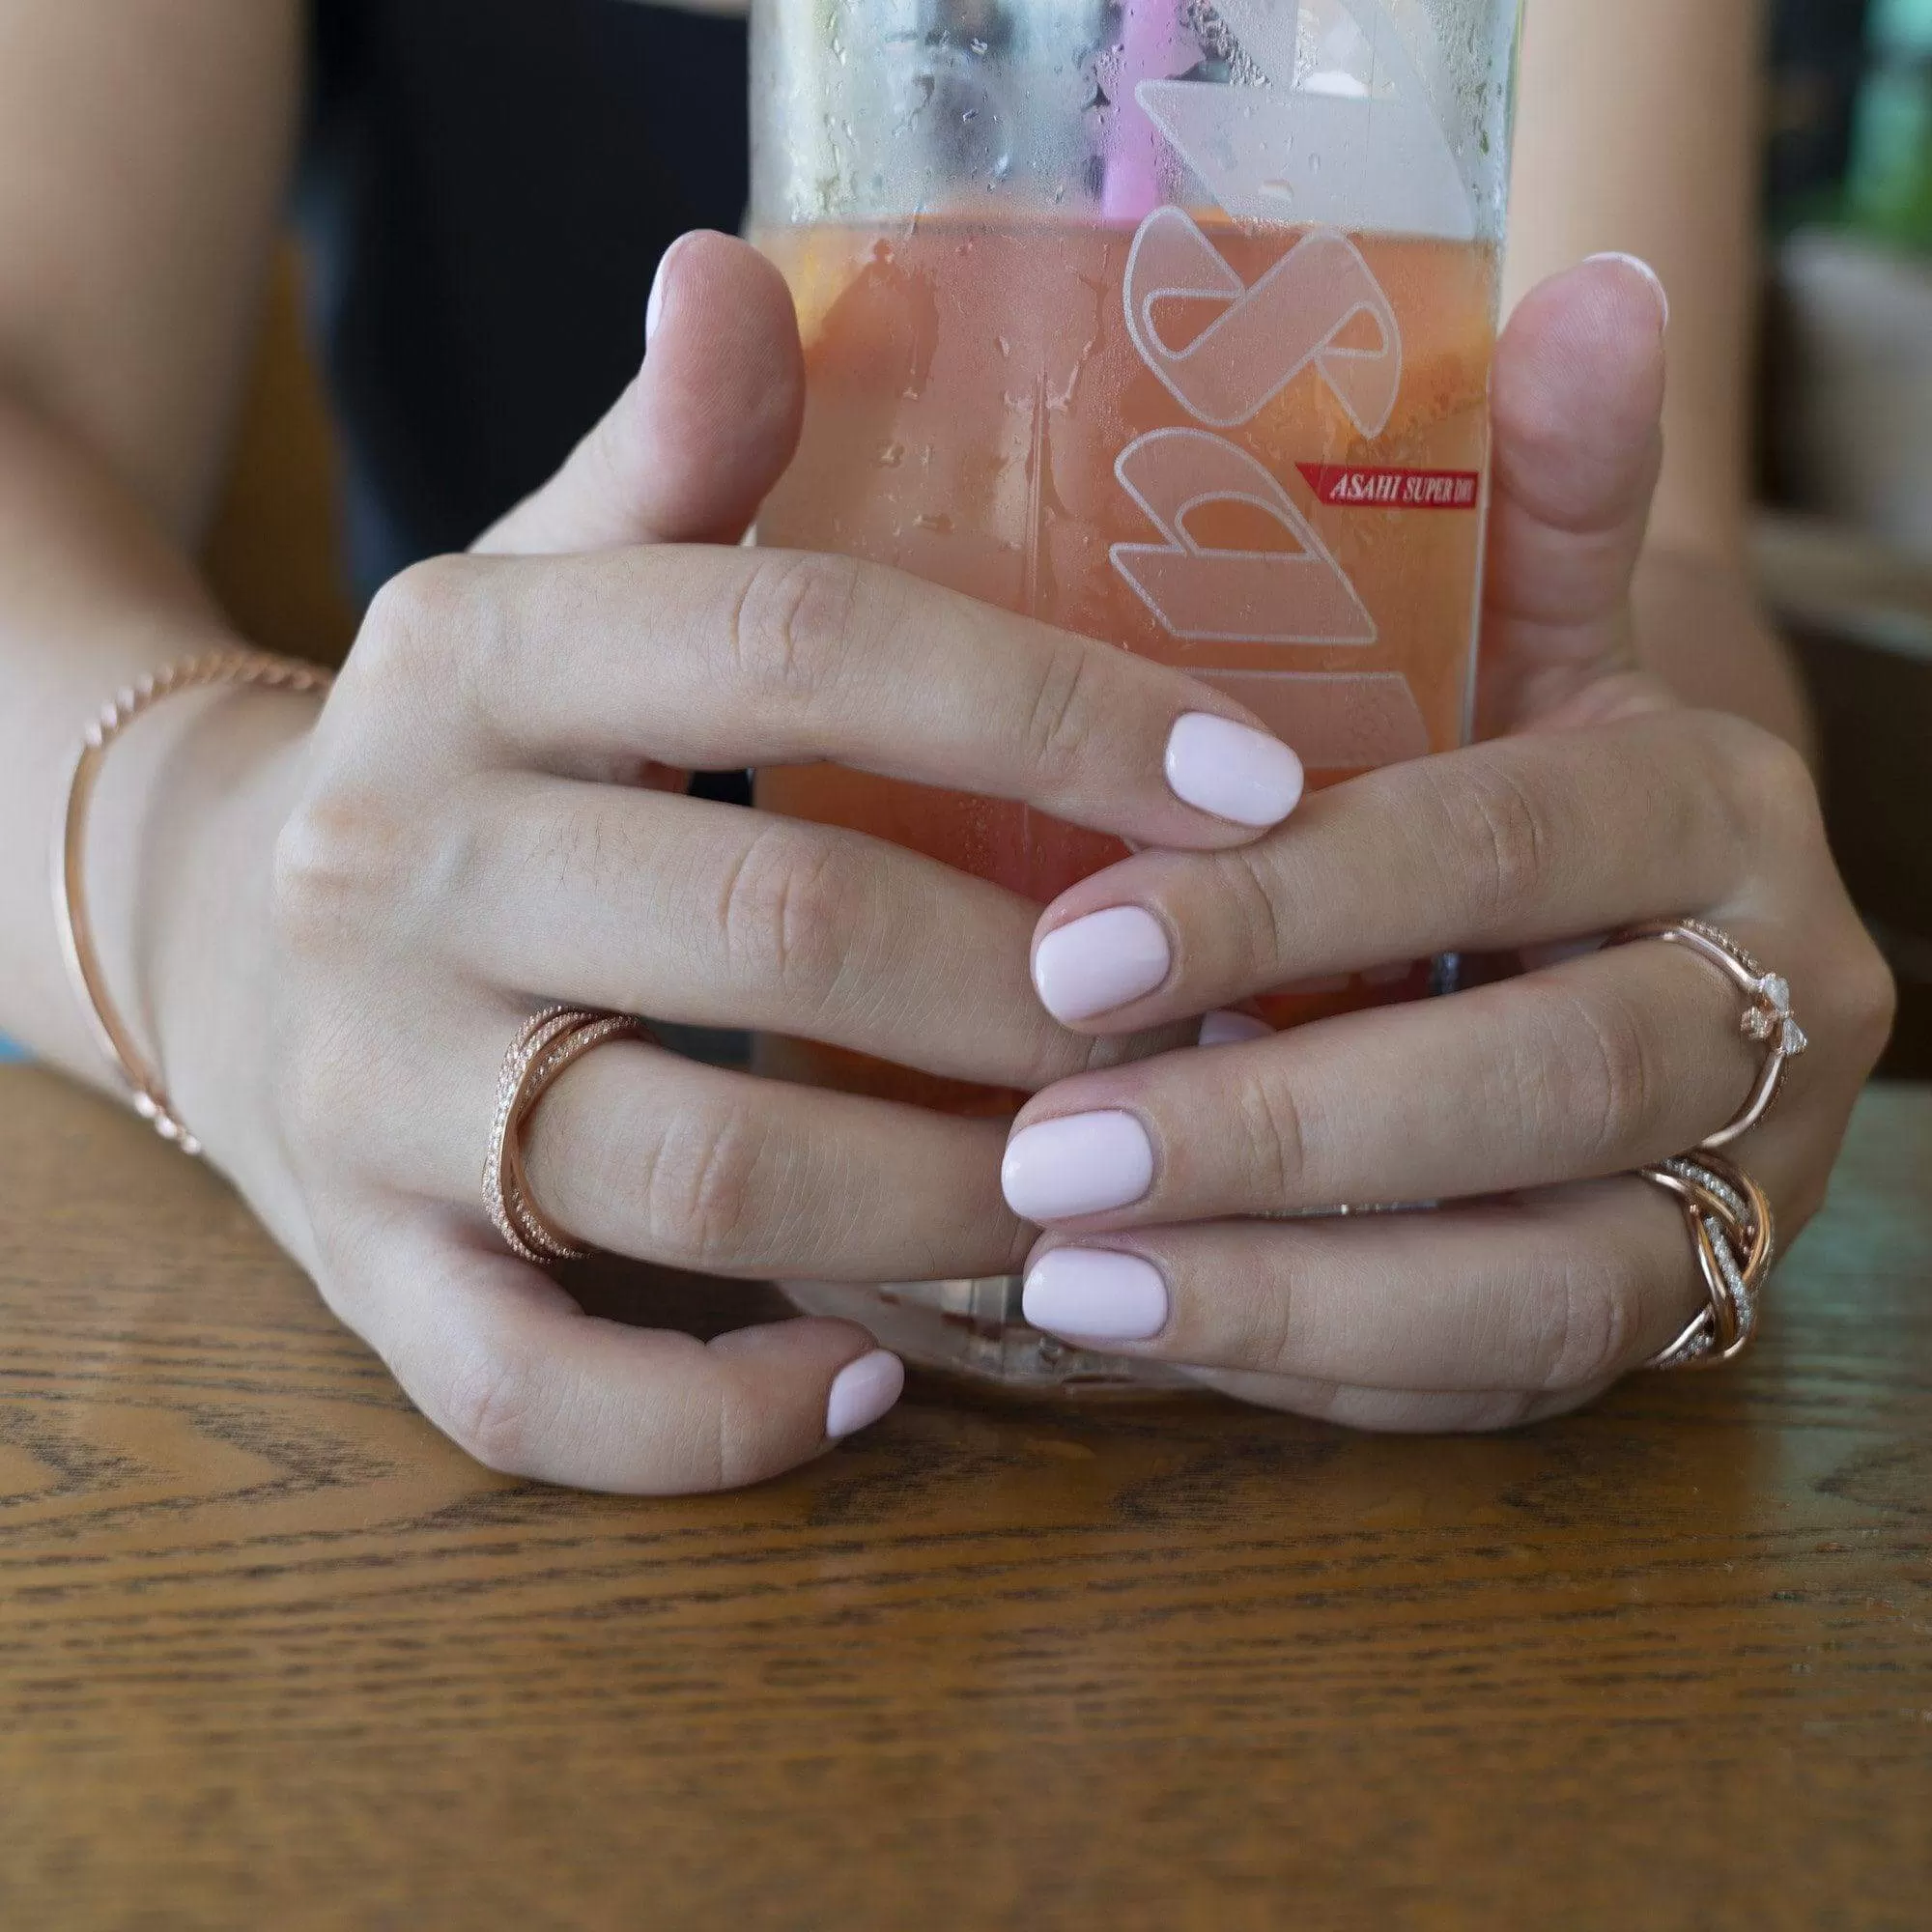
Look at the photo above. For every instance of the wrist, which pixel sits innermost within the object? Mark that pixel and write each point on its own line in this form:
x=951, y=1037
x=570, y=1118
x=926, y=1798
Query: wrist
x=179, y=852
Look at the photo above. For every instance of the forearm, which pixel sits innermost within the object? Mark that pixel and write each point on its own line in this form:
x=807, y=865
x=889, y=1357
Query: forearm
x=1639, y=132
x=1684, y=197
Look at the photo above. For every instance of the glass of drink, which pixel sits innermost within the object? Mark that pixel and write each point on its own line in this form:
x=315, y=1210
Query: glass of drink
x=1168, y=321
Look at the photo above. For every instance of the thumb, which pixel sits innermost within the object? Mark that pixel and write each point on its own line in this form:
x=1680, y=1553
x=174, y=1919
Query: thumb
x=695, y=444
x=1577, y=405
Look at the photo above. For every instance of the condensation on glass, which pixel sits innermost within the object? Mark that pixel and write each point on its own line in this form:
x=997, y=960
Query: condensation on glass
x=1170, y=323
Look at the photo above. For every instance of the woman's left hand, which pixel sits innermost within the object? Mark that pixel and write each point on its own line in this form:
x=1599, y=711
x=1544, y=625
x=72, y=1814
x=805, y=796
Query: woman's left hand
x=1524, y=1105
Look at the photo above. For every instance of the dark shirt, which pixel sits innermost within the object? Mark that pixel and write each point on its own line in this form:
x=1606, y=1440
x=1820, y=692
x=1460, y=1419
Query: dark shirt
x=487, y=188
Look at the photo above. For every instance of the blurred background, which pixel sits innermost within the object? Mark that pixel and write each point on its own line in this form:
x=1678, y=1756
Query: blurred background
x=1844, y=543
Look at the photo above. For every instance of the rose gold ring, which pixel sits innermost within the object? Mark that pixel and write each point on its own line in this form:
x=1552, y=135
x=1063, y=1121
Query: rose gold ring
x=546, y=1044
x=1736, y=1242
x=1767, y=1015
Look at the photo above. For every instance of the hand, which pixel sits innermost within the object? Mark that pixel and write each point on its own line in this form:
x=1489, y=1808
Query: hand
x=488, y=816
x=1604, y=804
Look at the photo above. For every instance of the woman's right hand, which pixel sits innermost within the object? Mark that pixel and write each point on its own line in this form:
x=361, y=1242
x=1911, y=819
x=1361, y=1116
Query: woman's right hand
x=484, y=820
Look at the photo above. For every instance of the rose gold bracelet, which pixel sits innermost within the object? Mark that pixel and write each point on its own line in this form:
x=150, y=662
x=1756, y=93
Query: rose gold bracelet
x=117, y=1041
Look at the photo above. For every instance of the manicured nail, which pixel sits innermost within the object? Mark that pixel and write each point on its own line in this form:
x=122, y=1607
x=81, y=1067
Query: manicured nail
x=1084, y=1164
x=1234, y=1030
x=1100, y=962
x=654, y=308
x=1649, y=274
x=1224, y=768
x=1095, y=1295
x=861, y=1392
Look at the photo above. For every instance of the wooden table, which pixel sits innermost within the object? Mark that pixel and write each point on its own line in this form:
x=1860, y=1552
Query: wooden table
x=273, y=1654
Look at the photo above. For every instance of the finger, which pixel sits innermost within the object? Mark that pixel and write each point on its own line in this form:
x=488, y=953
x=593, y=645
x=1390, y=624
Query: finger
x=641, y=1151
x=714, y=659
x=1555, y=1293
x=696, y=441
x=1393, y=1412
x=644, y=1153
x=1590, y=1069
x=505, y=1362
x=1576, y=403
x=1514, y=843
x=707, y=914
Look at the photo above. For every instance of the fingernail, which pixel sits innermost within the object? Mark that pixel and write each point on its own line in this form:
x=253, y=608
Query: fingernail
x=1084, y=1164
x=861, y=1392
x=1095, y=1295
x=1100, y=962
x=1649, y=274
x=654, y=308
x=1234, y=1030
x=1238, y=773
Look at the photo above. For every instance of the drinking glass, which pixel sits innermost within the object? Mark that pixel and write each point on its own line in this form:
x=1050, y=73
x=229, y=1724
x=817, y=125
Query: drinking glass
x=1166, y=322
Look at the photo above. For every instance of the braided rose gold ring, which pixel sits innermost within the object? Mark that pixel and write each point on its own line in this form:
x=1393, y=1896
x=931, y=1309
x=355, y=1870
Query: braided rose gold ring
x=1766, y=1014
x=546, y=1044
x=1730, y=1223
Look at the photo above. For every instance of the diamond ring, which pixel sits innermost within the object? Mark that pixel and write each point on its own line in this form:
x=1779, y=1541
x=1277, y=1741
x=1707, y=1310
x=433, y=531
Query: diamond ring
x=1767, y=1017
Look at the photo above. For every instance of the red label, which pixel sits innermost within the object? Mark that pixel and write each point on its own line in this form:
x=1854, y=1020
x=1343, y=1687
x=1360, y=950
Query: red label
x=1341, y=487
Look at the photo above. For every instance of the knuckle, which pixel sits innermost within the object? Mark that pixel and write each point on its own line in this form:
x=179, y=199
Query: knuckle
x=1267, y=1326
x=792, y=622
x=489, y=1410
x=1496, y=1413
x=1865, y=1003
x=1251, y=912
x=342, y=861
x=1502, y=828
x=1274, y=1135
x=1050, y=1054
x=1769, y=787
x=1060, y=718
x=410, y=616
x=703, y=1193
x=1601, y=1086
x=1587, y=1325
x=1409, y=1412
x=790, y=910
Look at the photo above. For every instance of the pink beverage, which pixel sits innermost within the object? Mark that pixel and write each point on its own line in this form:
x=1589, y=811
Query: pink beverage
x=1167, y=322
x=981, y=414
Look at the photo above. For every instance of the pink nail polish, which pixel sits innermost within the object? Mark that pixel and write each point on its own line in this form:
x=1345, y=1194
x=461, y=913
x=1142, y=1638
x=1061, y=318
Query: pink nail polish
x=1095, y=1295
x=1234, y=1030
x=861, y=1392
x=1232, y=772
x=1100, y=962
x=1084, y=1164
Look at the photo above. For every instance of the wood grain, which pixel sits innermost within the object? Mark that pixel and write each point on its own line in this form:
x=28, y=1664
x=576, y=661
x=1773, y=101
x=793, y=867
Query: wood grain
x=272, y=1654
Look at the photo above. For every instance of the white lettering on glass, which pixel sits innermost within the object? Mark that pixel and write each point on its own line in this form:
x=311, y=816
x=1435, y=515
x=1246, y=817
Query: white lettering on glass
x=1275, y=596
x=1291, y=319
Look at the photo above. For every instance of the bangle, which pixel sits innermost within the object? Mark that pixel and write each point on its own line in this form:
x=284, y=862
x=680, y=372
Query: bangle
x=117, y=1043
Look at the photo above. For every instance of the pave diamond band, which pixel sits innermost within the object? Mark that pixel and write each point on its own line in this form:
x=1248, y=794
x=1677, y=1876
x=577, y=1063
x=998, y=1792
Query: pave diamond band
x=1736, y=1242
x=546, y=1044
x=1767, y=1016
